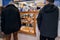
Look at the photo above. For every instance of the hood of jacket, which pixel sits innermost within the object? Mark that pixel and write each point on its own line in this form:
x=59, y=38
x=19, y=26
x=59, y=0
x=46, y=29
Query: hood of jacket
x=49, y=8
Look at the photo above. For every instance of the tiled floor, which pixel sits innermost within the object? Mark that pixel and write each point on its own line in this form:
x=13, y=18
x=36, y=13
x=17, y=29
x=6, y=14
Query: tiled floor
x=56, y=38
x=0, y=39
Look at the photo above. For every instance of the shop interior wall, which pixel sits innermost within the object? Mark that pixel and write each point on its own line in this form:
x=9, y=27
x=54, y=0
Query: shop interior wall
x=0, y=2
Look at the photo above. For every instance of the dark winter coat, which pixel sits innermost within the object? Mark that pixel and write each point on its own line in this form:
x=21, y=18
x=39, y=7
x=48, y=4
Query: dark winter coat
x=48, y=20
x=10, y=18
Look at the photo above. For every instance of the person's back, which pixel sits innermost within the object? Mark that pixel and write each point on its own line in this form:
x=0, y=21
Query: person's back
x=48, y=21
x=10, y=19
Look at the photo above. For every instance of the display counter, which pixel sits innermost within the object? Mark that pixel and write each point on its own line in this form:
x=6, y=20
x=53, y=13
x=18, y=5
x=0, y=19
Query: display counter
x=28, y=22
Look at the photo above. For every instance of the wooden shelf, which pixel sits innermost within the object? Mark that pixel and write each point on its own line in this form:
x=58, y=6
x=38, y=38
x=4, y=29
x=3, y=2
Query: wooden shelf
x=27, y=30
x=36, y=11
x=28, y=33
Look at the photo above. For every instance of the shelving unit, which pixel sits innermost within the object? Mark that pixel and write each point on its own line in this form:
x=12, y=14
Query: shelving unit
x=28, y=22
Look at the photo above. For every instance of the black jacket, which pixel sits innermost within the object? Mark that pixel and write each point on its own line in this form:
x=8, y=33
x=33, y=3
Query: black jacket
x=48, y=20
x=10, y=19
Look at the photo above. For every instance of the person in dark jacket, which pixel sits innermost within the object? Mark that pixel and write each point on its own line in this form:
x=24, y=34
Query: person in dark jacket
x=10, y=21
x=47, y=21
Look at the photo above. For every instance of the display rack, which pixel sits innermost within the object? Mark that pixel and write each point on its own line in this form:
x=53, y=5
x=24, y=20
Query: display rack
x=28, y=22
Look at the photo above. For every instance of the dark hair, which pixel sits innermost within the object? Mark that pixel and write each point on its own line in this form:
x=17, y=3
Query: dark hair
x=10, y=5
x=50, y=1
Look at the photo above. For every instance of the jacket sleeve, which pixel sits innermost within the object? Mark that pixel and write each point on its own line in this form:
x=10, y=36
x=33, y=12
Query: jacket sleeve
x=2, y=20
x=59, y=13
x=19, y=18
x=39, y=19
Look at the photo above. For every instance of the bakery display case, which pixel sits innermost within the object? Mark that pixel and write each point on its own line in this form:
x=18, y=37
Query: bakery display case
x=28, y=22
